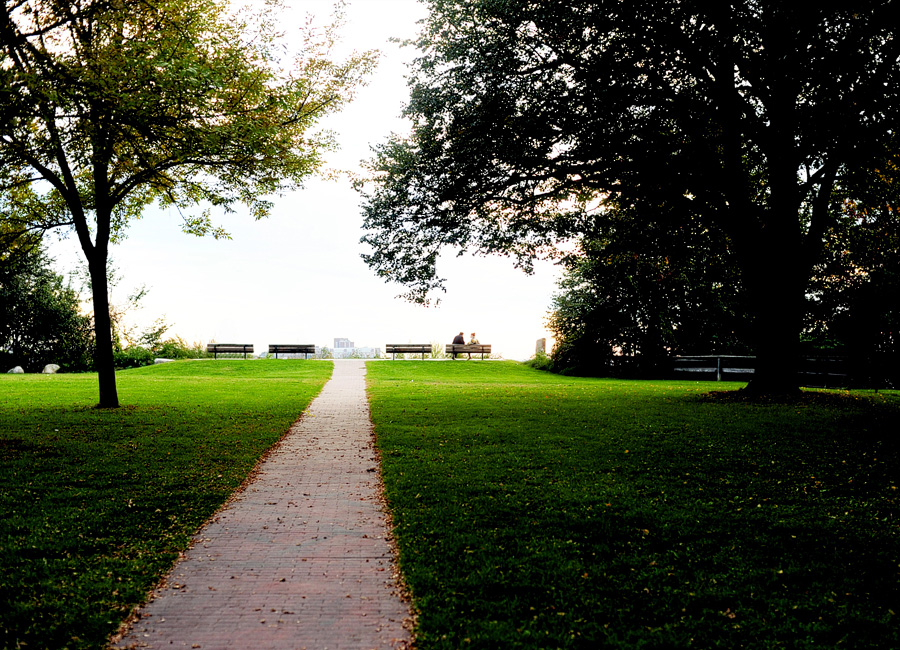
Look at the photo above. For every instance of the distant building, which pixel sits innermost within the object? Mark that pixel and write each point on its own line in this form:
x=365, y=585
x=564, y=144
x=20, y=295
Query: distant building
x=346, y=349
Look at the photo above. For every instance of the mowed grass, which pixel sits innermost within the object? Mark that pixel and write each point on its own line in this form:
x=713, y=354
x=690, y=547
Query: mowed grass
x=96, y=504
x=539, y=511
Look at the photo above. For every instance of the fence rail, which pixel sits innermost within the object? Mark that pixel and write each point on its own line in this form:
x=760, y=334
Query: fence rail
x=814, y=372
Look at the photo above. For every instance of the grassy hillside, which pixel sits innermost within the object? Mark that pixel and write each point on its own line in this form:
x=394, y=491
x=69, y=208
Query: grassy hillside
x=96, y=504
x=539, y=511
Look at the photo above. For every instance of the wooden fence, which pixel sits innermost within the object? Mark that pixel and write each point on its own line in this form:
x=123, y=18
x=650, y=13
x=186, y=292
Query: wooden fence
x=814, y=372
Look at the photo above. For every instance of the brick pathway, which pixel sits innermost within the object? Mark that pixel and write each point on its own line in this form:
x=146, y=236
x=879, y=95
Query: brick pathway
x=299, y=558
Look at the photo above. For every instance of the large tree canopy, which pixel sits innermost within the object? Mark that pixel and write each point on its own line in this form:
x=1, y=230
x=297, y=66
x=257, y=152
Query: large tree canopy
x=647, y=290
x=109, y=105
x=636, y=291
x=530, y=116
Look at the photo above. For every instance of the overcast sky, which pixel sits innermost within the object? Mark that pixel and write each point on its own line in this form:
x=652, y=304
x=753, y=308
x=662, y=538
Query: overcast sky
x=297, y=277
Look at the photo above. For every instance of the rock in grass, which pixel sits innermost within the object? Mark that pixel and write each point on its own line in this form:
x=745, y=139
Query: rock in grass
x=16, y=371
x=50, y=369
x=161, y=360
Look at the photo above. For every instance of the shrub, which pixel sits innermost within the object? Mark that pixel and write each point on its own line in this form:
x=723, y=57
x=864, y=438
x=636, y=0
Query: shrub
x=178, y=348
x=540, y=361
x=133, y=357
x=438, y=351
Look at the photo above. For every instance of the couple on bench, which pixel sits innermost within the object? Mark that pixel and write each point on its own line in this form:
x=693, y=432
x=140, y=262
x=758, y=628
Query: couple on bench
x=459, y=339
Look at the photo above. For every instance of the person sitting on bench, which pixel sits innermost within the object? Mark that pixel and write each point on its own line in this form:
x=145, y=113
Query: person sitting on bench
x=459, y=339
x=472, y=341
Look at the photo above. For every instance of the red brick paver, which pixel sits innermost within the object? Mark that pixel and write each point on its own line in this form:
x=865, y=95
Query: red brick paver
x=299, y=558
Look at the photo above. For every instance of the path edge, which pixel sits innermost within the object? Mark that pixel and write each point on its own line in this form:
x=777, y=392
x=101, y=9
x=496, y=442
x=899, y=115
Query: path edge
x=125, y=627
x=402, y=590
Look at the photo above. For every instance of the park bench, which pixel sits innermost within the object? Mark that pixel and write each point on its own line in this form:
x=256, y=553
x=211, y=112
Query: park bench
x=394, y=349
x=229, y=348
x=463, y=348
x=304, y=349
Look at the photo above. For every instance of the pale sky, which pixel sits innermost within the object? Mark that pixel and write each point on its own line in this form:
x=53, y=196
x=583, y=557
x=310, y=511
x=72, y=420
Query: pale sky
x=297, y=277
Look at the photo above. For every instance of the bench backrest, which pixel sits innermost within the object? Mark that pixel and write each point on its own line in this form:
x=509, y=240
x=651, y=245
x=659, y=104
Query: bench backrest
x=462, y=348
x=305, y=349
x=407, y=348
x=229, y=348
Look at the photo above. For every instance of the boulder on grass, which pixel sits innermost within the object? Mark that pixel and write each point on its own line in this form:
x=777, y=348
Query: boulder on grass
x=50, y=369
x=16, y=371
x=161, y=360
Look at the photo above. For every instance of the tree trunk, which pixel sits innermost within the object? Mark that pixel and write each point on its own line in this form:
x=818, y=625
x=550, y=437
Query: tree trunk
x=103, y=350
x=775, y=289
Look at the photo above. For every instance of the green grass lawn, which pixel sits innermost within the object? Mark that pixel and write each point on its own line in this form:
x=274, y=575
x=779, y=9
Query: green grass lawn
x=539, y=511
x=95, y=504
